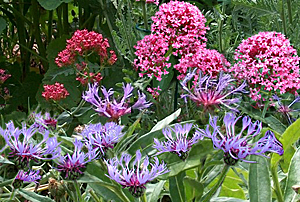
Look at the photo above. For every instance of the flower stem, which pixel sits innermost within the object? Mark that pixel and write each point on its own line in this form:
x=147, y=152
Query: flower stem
x=143, y=198
x=78, y=193
x=222, y=176
x=276, y=183
x=145, y=14
x=95, y=197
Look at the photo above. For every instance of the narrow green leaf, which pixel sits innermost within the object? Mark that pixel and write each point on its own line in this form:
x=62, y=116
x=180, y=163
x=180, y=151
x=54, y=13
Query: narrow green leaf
x=259, y=180
x=166, y=121
x=153, y=190
x=293, y=178
x=33, y=197
x=51, y=4
x=176, y=188
x=5, y=161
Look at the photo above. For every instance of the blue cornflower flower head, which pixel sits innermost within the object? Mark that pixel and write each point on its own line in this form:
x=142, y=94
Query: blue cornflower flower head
x=102, y=136
x=211, y=92
x=73, y=166
x=110, y=107
x=29, y=176
x=180, y=144
x=286, y=110
x=24, y=148
x=43, y=122
x=136, y=175
x=237, y=146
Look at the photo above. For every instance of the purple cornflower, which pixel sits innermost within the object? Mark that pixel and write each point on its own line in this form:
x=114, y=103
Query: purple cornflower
x=29, y=176
x=237, y=146
x=108, y=106
x=73, y=166
x=286, y=109
x=24, y=148
x=43, y=122
x=212, y=92
x=102, y=136
x=138, y=175
x=181, y=144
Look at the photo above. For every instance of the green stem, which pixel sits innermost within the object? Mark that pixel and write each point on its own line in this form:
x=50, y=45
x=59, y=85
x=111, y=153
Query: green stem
x=78, y=193
x=144, y=198
x=50, y=21
x=59, y=21
x=176, y=94
x=65, y=18
x=145, y=14
x=12, y=195
x=221, y=22
x=61, y=107
x=95, y=197
x=289, y=11
x=222, y=176
x=78, y=107
x=276, y=183
x=283, y=19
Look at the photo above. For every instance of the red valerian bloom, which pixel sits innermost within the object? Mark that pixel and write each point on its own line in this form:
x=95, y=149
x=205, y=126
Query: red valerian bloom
x=267, y=62
x=209, y=62
x=3, y=76
x=84, y=42
x=55, y=92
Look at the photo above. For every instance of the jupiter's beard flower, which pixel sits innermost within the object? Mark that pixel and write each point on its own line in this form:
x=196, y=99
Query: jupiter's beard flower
x=178, y=28
x=182, y=25
x=287, y=110
x=134, y=175
x=73, y=166
x=180, y=144
x=207, y=61
x=24, y=148
x=30, y=176
x=83, y=43
x=101, y=136
x=213, y=93
x=111, y=107
x=238, y=145
x=55, y=92
x=269, y=63
x=152, y=60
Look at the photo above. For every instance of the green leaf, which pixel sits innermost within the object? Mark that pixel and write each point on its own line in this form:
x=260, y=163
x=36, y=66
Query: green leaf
x=259, y=180
x=5, y=161
x=293, y=178
x=176, y=188
x=2, y=24
x=153, y=190
x=227, y=199
x=231, y=186
x=275, y=124
x=33, y=197
x=288, y=138
x=196, y=186
x=164, y=83
x=52, y=4
x=146, y=141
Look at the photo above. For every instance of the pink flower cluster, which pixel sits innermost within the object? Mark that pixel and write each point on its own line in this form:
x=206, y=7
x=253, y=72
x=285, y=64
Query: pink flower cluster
x=269, y=63
x=178, y=28
x=205, y=60
x=151, y=56
x=55, y=92
x=3, y=76
x=181, y=24
x=84, y=42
